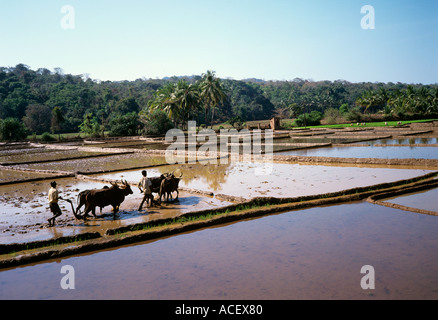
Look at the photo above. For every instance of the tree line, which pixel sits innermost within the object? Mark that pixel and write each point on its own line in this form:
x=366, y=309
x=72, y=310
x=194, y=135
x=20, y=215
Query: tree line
x=421, y=101
x=38, y=101
x=184, y=101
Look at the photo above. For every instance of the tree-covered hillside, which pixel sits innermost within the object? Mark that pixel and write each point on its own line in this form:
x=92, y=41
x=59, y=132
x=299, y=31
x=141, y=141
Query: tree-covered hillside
x=51, y=101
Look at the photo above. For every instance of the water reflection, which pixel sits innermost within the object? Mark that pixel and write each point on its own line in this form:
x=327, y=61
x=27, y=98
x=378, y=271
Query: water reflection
x=46, y=155
x=210, y=176
x=284, y=179
x=369, y=152
x=107, y=163
x=404, y=141
x=425, y=200
x=307, y=254
x=26, y=203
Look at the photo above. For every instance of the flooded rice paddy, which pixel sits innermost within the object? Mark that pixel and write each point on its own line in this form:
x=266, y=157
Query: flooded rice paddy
x=129, y=144
x=307, y=254
x=428, y=141
x=390, y=152
x=25, y=210
x=425, y=200
x=46, y=156
x=245, y=179
x=17, y=175
x=106, y=163
x=312, y=253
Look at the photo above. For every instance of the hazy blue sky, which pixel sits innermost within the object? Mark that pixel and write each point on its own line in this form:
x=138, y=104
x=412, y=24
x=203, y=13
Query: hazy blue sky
x=271, y=40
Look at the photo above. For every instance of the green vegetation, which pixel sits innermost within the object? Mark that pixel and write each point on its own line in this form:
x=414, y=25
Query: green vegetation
x=45, y=101
x=124, y=125
x=180, y=101
x=211, y=93
x=308, y=119
x=12, y=249
x=12, y=129
x=156, y=122
x=46, y=137
x=401, y=102
x=90, y=126
x=183, y=101
x=372, y=124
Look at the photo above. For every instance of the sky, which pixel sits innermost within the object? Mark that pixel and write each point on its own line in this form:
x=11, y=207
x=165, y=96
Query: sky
x=266, y=39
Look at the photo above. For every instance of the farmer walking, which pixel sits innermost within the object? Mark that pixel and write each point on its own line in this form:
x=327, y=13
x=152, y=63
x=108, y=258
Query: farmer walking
x=53, y=202
x=145, y=187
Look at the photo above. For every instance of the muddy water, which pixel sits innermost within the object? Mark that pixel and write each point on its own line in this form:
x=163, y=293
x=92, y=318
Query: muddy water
x=404, y=141
x=26, y=204
x=18, y=151
x=108, y=163
x=46, y=155
x=369, y=152
x=244, y=179
x=14, y=175
x=315, y=140
x=24, y=210
x=131, y=143
x=134, y=145
x=308, y=254
x=426, y=200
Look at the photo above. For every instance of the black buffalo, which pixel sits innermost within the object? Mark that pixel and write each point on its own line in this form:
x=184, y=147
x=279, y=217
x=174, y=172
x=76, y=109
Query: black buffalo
x=169, y=185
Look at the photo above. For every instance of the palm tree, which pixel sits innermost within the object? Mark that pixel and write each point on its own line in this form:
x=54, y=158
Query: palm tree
x=382, y=98
x=368, y=100
x=409, y=95
x=433, y=101
x=186, y=98
x=397, y=103
x=212, y=93
x=165, y=100
x=421, y=100
x=180, y=101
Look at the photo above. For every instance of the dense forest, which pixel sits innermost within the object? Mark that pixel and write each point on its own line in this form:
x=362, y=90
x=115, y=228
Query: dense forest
x=51, y=101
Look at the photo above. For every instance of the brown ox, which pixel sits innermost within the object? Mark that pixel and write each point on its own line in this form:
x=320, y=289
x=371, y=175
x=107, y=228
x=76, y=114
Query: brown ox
x=82, y=200
x=112, y=196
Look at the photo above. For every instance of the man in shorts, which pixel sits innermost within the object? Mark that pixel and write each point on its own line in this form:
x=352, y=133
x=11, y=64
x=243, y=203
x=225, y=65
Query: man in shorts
x=145, y=187
x=53, y=202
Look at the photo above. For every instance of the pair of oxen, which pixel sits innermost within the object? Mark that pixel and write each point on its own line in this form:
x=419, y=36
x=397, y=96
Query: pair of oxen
x=114, y=195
